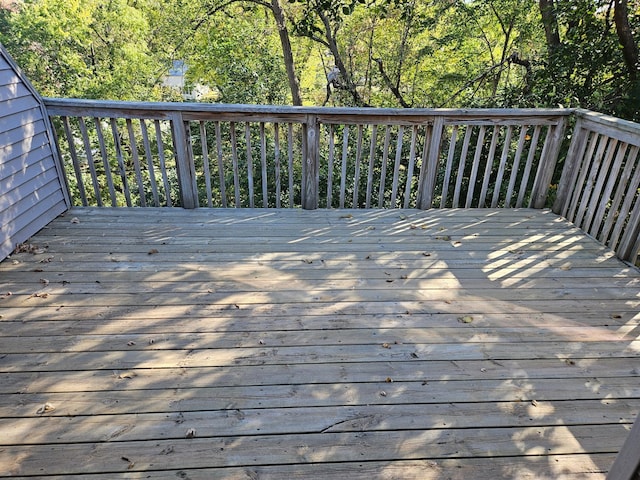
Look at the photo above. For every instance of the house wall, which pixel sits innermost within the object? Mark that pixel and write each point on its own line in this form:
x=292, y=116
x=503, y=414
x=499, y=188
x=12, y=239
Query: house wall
x=31, y=190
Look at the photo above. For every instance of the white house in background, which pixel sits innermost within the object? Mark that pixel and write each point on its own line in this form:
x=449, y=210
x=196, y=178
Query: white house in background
x=175, y=78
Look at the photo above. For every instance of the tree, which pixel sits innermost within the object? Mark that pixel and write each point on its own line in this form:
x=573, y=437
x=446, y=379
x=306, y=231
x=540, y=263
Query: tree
x=85, y=48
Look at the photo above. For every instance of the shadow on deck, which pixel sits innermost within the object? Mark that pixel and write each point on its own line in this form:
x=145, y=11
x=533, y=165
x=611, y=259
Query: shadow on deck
x=348, y=343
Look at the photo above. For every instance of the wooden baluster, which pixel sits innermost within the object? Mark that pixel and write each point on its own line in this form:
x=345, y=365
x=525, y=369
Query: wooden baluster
x=163, y=163
x=221, y=172
x=236, y=169
x=489, y=166
x=276, y=139
x=533, y=146
x=372, y=158
x=343, y=176
x=149, y=157
x=383, y=168
x=475, y=166
x=205, y=162
x=74, y=160
x=263, y=161
x=462, y=163
x=105, y=162
x=356, y=173
x=396, y=166
x=412, y=161
x=330, y=161
x=88, y=150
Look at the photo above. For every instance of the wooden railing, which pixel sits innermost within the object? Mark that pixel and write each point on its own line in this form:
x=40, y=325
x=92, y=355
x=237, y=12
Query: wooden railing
x=599, y=189
x=190, y=155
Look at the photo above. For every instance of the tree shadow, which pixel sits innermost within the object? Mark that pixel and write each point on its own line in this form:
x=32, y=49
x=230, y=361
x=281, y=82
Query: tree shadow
x=251, y=343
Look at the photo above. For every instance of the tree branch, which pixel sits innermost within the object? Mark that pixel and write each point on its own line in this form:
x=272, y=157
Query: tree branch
x=396, y=92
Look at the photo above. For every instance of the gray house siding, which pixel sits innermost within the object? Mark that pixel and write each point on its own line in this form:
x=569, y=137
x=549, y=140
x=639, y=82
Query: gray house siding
x=31, y=192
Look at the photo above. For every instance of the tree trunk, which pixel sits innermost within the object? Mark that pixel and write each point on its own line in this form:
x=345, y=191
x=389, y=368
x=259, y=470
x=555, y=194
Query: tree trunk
x=625, y=36
x=550, y=24
x=346, y=77
x=287, y=52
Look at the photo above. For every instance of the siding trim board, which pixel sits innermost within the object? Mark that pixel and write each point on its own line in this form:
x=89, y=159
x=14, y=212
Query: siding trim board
x=31, y=178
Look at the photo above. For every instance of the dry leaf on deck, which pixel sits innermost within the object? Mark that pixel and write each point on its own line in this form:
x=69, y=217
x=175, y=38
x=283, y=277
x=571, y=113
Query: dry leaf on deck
x=191, y=432
x=465, y=319
x=46, y=408
x=75, y=220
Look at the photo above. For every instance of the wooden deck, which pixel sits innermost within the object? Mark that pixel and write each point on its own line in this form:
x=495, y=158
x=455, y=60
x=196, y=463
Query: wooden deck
x=163, y=343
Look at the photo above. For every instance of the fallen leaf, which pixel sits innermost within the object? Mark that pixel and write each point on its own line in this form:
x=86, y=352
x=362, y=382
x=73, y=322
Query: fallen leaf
x=348, y=215
x=75, y=220
x=46, y=408
x=191, y=432
x=565, y=267
x=307, y=261
x=414, y=355
x=403, y=217
x=368, y=257
x=389, y=380
x=153, y=251
x=385, y=345
x=483, y=370
x=389, y=280
x=615, y=315
x=131, y=343
x=404, y=277
x=426, y=254
x=383, y=393
x=568, y=361
x=534, y=403
x=412, y=226
x=446, y=238
x=465, y=319
x=371, y=227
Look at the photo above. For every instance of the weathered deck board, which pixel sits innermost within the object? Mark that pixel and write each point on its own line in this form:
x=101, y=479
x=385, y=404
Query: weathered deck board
x=361, y=344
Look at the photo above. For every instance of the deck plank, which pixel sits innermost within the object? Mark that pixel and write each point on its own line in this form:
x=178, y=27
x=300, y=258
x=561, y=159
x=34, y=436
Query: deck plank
x=454, y=343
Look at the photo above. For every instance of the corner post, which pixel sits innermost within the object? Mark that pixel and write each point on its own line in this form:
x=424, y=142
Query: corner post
x=548, y=161
x=310, y=167
x=569, y=169
x=184, y=162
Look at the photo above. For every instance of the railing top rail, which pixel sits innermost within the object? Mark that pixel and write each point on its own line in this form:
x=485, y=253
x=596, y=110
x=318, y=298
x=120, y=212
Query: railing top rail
x=58, y=106
x=608, y=121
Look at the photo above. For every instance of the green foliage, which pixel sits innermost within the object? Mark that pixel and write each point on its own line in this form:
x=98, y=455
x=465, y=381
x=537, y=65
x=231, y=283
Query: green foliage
x=389, y=53
x=82, y=48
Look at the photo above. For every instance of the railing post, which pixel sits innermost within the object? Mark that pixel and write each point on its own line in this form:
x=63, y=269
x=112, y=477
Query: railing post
x=310, y=167
x=429, y=172
x=548, y=161
x=184, y=162
x=574, y=156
